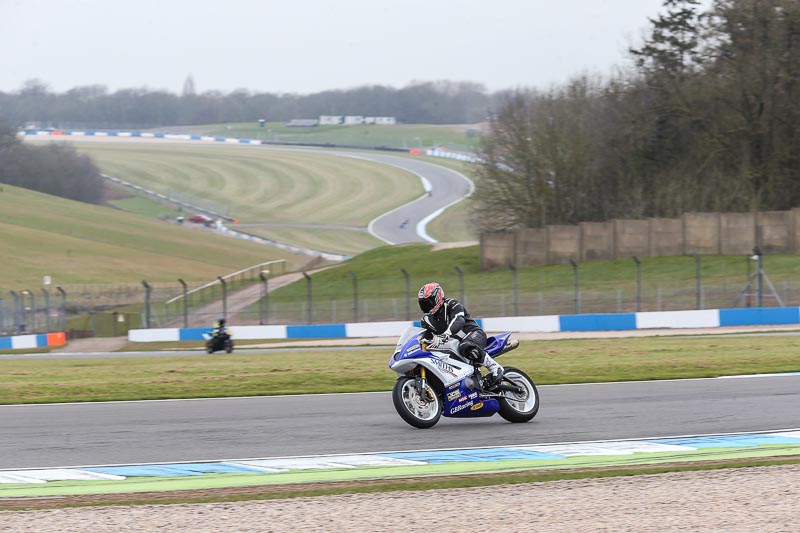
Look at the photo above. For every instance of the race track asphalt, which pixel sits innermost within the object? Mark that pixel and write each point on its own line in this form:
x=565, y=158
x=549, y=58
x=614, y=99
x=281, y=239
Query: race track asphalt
x=35, y=436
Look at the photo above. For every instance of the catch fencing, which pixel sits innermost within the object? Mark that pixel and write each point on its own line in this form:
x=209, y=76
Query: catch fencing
x=253, y=297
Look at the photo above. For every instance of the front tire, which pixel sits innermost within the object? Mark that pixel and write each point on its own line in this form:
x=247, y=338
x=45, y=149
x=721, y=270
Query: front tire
x=419, y=412
x=519, y=407
x=228, y=346
x=209, y=346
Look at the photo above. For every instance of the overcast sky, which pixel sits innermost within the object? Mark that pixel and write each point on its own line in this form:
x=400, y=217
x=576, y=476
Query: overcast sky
x=306, y=46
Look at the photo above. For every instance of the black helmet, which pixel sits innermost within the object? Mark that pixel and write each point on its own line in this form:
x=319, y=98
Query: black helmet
x=430, y=297
x=221, y=322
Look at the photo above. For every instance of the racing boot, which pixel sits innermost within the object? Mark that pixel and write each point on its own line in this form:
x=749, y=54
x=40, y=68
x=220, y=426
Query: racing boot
x=495, y=376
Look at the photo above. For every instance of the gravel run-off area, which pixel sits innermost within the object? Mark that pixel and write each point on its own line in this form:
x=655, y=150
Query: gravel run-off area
x=762, y=499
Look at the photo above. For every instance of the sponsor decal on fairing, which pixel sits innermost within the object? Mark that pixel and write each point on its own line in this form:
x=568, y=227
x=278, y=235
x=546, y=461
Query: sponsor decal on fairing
x=469, y=397
x=458, y=408
x=444, y=367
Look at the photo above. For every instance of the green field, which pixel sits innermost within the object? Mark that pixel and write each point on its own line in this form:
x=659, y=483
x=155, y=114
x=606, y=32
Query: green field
x=345, y=370
x=462, y=137
x=346, y=242
x=74, y=242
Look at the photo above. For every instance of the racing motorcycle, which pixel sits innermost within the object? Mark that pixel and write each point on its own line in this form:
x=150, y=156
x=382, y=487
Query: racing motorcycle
x=436, y=380
x=219, y=342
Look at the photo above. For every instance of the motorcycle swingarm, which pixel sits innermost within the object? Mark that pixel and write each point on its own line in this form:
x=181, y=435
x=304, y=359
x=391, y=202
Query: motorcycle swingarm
x=502, y=388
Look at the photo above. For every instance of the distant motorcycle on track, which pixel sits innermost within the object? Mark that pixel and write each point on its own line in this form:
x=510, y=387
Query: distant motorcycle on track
x=436, y=381
x=221, y=341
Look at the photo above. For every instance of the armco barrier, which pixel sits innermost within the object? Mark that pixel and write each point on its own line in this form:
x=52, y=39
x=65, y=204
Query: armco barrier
x=520, y=324
x=27, y=342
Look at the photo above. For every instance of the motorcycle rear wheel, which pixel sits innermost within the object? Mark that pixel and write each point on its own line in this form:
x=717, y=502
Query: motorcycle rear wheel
x=419, y=412
x=519, y=407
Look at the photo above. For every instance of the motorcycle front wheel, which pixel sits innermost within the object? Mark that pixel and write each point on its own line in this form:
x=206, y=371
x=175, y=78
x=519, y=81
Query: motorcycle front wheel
x=210, y=346
x=228, y=346
x=421, y=411
x=521, y=406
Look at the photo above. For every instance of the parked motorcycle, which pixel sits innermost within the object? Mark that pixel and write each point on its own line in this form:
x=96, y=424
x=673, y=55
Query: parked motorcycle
x=436, y=380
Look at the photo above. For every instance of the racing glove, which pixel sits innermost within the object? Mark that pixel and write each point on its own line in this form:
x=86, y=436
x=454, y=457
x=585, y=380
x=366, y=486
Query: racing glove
x=439, y=340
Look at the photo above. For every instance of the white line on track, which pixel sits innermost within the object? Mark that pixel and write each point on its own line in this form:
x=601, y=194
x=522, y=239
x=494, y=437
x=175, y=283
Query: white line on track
x=635, y=439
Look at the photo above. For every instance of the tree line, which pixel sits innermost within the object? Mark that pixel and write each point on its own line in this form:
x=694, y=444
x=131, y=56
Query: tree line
x=706, y=118
x=55, y=169
x=94, y=107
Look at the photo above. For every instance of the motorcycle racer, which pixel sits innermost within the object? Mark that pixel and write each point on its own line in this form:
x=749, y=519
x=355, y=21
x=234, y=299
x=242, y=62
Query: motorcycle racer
x=447, y=317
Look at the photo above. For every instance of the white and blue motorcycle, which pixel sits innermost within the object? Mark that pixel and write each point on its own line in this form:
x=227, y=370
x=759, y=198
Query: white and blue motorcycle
x=435, y=380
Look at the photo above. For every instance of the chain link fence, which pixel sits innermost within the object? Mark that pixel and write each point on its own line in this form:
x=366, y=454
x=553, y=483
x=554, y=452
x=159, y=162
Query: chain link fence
x=245, y=298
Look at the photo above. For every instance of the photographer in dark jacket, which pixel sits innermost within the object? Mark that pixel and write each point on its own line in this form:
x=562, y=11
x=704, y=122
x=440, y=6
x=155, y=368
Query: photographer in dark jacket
x=447, y=317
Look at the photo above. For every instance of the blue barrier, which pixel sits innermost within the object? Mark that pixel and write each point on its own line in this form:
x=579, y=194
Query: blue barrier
x=600, y=322
x=193, y=334
x=759, y=316
x=320, y=331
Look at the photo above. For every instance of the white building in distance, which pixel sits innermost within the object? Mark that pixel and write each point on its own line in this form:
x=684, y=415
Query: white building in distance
x=353, y=120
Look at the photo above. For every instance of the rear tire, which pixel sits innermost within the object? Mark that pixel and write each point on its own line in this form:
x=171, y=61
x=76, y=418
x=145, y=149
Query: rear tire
x=419, y=412
x=521, y=407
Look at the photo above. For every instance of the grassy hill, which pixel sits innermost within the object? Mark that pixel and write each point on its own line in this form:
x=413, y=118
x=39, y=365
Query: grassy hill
x=73, y=242
x=268, y=187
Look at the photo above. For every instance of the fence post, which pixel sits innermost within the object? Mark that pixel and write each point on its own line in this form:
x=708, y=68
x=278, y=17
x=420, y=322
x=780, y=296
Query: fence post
x=185, y=303
x=355, y=294
x=46, y=310
x=147, y=290
x=19, y=317
x=577, y=298
x=32, y=314
x=63, y=311
x=516, y=297
x=638, y=283
x=759, y=277
x=408, y=293
x=224, y=298
x=460, y=283
x=310, y=300
x=263, y=309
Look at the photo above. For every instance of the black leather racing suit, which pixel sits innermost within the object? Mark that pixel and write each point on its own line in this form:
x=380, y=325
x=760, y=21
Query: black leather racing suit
x=454, y=320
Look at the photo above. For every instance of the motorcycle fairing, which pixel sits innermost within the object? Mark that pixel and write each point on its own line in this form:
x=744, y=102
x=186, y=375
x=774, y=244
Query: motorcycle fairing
x=462, y=402
x=497, y=343
x=410, y=354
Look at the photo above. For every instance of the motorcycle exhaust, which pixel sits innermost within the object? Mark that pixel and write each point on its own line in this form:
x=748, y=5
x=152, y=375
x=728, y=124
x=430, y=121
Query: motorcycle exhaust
x=510, y=346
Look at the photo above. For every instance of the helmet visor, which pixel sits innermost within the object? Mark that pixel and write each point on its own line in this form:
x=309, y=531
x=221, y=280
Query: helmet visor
x=427, y=304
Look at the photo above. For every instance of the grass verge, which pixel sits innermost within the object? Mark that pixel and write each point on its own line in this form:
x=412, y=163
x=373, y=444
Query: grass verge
x=342, y=369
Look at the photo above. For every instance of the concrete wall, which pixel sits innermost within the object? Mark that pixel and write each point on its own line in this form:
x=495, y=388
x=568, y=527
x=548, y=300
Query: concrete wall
x=700, y=233
x=597, y=241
